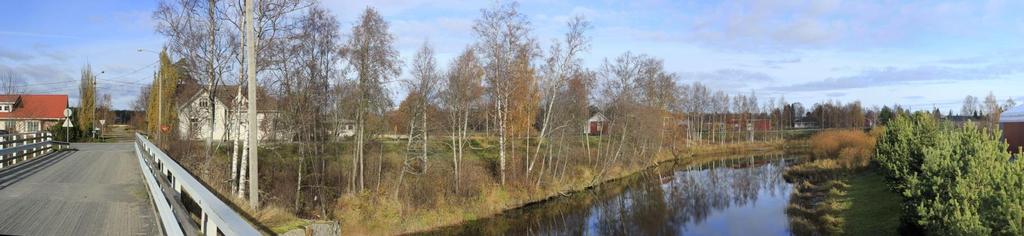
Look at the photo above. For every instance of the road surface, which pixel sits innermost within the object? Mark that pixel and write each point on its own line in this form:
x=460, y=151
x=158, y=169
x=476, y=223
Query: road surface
x=97, y=190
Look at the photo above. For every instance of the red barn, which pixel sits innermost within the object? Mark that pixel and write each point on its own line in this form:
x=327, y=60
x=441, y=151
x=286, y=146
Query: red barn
x=1011, y=123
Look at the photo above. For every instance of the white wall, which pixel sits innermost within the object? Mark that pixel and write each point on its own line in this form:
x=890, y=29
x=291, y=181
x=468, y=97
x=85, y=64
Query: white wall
x=195, y=115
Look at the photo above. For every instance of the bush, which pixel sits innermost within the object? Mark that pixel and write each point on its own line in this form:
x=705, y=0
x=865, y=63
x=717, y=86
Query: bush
x=954, y=181
x=852, y=148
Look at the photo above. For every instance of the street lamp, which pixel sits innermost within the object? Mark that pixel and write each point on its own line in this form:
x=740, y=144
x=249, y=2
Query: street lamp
x=93, y=121
x=159, y=97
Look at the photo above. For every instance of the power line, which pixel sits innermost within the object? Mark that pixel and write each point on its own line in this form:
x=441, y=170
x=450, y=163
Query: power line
x=133, y=72
x=47, y=83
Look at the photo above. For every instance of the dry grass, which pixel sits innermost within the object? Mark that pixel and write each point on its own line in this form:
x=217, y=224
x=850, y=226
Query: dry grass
x=819, y=199
x=851, y=148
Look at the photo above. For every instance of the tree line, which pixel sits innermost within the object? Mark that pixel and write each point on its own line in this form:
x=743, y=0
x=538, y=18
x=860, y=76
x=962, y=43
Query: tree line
x=531, y=100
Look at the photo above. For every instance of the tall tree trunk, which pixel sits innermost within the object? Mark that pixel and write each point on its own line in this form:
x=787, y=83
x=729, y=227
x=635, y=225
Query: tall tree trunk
x=236, y=130
x=243, y=171
x=212, y=74
x=502, y=132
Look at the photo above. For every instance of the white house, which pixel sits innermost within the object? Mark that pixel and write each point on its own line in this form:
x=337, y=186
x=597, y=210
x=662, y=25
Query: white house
x=229, y=117
x=345, y=128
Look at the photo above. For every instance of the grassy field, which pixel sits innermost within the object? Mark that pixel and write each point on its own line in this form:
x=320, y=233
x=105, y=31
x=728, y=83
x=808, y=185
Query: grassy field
x=874, y=209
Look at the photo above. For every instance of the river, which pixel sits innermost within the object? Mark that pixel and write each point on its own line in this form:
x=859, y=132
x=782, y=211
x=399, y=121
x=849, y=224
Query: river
x=739, y=196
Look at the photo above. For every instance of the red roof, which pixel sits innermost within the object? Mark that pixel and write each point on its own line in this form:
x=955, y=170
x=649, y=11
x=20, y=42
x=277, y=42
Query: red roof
x=7, y=98
x=36, y=106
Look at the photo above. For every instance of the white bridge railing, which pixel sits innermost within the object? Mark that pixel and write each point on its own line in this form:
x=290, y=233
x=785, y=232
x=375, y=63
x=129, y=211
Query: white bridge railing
x=17, y=148
x=212, y=215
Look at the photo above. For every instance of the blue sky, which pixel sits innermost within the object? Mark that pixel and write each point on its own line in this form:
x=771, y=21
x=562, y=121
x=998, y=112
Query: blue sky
x=918, y=53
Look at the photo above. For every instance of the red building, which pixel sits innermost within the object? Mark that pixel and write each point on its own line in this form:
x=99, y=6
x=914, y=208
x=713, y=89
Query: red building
x=596, y=125
x=26, y=113
x=1011, y=122
x=762, y=124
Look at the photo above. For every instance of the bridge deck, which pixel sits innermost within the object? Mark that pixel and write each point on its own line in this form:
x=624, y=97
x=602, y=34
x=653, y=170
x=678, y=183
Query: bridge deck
x=97, y=190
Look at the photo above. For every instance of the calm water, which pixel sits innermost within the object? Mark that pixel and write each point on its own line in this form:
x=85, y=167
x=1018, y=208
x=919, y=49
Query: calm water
x=744, y=196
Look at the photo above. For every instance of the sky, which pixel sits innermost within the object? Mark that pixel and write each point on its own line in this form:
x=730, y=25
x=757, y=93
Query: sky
x=921, y=54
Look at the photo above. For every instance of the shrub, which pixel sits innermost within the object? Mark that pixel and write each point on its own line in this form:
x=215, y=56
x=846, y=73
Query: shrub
x=954, y=181
x=852, y=148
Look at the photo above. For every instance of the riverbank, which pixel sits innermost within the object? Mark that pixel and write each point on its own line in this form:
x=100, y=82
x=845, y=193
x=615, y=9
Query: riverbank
x=839, y=191
x=873, y=208
x=706, y=154
x=430, y=200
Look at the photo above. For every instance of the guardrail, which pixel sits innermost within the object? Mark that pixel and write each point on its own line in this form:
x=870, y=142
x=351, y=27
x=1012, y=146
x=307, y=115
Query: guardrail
x=16, y=148
x=215, y=216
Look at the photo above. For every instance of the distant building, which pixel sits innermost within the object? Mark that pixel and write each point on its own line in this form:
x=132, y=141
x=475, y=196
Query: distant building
x=26, y=113
x=345, y=128
x=1011, y=122
x=596, y=125
x=761, y=124
x=805, y=123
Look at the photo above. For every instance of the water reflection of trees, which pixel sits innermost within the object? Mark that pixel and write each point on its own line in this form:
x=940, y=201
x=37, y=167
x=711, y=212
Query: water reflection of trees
x=697, y=193
x=651, y=204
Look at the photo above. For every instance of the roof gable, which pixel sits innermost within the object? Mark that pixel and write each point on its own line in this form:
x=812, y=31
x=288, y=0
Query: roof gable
x=36, y=106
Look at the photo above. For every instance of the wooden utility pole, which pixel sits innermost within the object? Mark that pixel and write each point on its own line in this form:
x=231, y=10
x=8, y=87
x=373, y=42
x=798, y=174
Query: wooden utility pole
x=250, y=64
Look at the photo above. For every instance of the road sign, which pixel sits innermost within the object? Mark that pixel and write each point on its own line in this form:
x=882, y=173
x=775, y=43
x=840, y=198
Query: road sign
x=67, y=112
x=103, y=122
x=165, y=128
x=67, y=124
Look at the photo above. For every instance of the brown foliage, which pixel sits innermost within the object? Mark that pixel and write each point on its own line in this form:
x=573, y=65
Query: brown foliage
x=850, y=148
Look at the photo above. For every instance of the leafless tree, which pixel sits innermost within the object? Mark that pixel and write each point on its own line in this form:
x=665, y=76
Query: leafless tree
x=636, y=92
x=462, y=89
x=275, y=24
x=503, y=34
x=563, y=62
x=375, y=61
x=970, y=106
x=314, y=56
x=422, y=92
x=10, y=83
x=194, y=33
x=992, y=111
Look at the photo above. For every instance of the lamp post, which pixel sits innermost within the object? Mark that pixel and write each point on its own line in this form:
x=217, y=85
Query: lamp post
x=93, y=121
x=159, y=97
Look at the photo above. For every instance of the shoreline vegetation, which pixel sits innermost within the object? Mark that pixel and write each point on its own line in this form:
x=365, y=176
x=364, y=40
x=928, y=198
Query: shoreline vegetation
x=376, y=214
x=724, y=152
x=822, y=201
x=915, y=175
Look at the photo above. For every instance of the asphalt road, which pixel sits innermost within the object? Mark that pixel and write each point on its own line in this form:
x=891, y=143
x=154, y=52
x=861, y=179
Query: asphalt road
x=97, y=190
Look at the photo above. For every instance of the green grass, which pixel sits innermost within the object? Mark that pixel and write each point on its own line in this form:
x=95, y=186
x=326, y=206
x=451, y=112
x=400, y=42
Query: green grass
x=290, y=225
x=874, y=210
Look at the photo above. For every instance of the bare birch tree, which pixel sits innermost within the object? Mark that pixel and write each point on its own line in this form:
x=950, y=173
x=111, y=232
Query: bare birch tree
x=375, y=61
x=462, y=89
x=503, y=34
x=422, y=91
x=563, y=61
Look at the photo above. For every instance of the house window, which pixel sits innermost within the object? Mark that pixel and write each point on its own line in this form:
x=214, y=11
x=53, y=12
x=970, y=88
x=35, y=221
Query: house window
x=10, y=126
x=33, y=126
x=204, y=103
x=5, y=108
